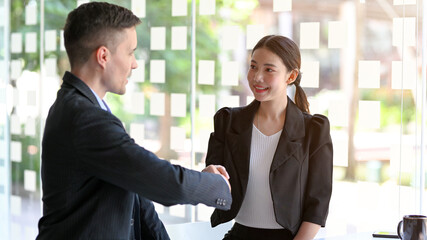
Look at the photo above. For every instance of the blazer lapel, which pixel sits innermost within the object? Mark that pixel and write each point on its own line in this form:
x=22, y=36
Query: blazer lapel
x=75, y=82
x=293, y=130
x=239, y=138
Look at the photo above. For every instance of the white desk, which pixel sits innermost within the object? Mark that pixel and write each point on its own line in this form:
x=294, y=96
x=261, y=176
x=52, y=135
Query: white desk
x=204, y=231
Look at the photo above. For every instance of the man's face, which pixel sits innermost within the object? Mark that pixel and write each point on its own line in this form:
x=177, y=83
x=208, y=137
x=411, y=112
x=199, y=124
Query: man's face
x=121, y=63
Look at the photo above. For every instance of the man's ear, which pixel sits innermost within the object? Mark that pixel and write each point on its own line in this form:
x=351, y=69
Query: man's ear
x=102, y=55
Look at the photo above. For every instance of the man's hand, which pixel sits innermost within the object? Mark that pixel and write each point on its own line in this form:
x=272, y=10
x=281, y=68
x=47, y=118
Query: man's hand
x=218, y=169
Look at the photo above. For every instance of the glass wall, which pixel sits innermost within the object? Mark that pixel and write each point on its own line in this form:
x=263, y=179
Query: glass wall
x=361, y=63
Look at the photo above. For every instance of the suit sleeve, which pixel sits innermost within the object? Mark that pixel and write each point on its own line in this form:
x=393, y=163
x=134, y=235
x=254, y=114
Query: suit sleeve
x=104, y=149
x=215, y=153
x=319, y=182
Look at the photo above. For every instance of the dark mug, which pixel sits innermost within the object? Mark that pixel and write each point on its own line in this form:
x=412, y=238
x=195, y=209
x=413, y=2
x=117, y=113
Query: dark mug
x=414, y=227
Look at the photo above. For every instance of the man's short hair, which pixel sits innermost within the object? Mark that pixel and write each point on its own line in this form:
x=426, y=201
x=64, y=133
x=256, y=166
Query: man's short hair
x=93, y=25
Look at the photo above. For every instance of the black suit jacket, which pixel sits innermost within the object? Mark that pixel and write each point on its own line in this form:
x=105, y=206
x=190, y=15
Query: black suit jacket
x=301, y=171
x=92, y=169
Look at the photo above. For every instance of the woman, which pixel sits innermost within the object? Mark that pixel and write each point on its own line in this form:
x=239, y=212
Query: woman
x=278, y=156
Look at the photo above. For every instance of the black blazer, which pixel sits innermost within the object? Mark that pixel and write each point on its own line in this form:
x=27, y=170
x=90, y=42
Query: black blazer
x=301, y=171
x=92, y=171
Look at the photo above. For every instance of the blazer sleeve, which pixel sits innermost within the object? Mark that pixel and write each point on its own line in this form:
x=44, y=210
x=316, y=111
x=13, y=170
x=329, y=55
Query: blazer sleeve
x=319, y=182
x=105, y=150
x=215, y=154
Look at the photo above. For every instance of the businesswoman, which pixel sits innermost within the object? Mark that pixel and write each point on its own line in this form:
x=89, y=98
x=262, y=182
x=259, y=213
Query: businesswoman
x=278, y=156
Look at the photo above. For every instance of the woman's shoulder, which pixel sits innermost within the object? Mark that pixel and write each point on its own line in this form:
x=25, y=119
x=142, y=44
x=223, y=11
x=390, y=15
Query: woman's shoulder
x=317, y=126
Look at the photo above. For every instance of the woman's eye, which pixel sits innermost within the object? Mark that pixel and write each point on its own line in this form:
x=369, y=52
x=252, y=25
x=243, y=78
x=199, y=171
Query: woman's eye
x=252, y=66
x=269, y=70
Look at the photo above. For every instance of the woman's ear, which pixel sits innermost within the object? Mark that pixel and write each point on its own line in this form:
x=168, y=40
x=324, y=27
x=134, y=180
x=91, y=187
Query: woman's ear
x=102, y=56
x=292, y=76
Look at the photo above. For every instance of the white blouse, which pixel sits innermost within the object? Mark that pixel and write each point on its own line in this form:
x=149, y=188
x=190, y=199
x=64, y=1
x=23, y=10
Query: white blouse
x=257, y=207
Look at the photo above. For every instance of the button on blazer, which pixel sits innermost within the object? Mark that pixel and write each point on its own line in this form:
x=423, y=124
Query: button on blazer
x=301, y=171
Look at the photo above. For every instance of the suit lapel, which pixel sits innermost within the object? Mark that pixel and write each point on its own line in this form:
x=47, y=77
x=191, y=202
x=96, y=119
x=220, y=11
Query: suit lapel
x=75, y=82
x=293, y=130
x=239, y=138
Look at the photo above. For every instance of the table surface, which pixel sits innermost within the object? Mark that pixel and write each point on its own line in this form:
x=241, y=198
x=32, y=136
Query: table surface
x=204, y=231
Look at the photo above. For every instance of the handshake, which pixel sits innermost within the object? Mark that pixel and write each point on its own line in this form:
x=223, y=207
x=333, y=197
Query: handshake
x=218, y=169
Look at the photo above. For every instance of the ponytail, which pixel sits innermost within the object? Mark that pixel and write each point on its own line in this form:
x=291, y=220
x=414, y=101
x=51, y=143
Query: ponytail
x=300, y=97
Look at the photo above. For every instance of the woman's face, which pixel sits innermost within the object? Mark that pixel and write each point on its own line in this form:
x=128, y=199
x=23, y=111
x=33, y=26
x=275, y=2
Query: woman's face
x=268, y=76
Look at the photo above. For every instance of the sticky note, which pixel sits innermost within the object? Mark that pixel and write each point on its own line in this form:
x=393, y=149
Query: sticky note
x=206, y=73
x=282, y=5
x=179, y=38
x=309, y=35
x=2, y=16
x=338, y=112
x=30, y=42
x=30, y=127
x=15, y=124
x=16, y=42
x=369, y=74
x=337, y=34
x=51, y=67
x=61, y=39
x=206, y=105
x=404, y=32
x=3, y=145
x=203, y=140
x=50, y=40
x=3, y=174
x=409, y=77
x=138, y=103
x=30, y=180
x=230, y=37
x=230, y=73
x=310, y=74
x=229, y=101
x=404, y=2
x=207, y=7
x=178, y=105
x=15, y=100
x=16, y=151
x=158, y=38
x=253, y=34
x=177, y=141
x=137, y=132
x=157, y=104
x=369, y=114
x=15, y=205
x=157, y=71
x=31, y=13
x=80, y=2
x=138, y=74
x=138, y=8
x=179, y=8
x=340, y=143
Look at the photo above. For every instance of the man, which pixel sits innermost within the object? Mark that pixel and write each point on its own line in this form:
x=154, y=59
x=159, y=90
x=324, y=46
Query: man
x=97, y=183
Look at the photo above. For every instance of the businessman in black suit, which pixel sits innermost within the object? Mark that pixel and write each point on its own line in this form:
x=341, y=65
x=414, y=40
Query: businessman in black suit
x=97, y=182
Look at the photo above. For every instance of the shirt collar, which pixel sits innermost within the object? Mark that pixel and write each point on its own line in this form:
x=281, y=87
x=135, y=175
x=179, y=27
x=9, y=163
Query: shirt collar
x=101, y=103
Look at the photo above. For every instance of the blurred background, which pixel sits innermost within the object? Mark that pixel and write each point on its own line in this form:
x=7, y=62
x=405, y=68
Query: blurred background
x=363, y=65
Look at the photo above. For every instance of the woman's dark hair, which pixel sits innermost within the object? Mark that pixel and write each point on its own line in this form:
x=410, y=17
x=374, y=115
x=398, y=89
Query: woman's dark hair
x=92, y=25
x=289, y=52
